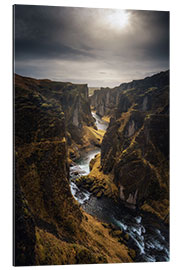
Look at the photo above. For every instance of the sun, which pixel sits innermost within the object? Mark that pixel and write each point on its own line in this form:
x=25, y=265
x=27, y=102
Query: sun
x=118, y=18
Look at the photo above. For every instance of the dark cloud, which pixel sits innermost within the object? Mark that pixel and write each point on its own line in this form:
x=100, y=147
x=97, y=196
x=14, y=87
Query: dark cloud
x=82, y=45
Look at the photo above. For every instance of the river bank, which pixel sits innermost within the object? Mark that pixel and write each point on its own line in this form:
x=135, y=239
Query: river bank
x=147, y=234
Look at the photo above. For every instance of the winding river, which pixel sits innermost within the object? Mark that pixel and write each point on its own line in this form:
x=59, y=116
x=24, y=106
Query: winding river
x=148, y=235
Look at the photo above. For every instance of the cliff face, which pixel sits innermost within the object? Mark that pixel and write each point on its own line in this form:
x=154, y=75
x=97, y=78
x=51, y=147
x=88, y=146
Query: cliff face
x=73, y=101
x=103, y=101
x=41, y=167
x=106, y=100
x=138, y=158
x=50, y=228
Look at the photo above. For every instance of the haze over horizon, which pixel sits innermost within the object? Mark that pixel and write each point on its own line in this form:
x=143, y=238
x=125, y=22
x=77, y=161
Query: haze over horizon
x=100, y=47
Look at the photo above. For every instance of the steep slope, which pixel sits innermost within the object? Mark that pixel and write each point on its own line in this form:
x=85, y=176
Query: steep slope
x=50, y=227
x=138, y=159
x=41, y=167
x=106, y=100
x=73, y=101
x=103, y=102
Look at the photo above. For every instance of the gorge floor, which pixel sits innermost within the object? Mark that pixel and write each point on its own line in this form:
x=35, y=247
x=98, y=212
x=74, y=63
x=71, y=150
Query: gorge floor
x=148, y=235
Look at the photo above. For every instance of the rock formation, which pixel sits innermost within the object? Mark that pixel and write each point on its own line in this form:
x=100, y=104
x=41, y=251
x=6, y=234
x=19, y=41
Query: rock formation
x=50, y=227
x=71, y=99
x=138, y=158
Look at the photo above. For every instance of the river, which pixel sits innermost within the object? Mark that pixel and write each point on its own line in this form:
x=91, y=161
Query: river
x=148, y=235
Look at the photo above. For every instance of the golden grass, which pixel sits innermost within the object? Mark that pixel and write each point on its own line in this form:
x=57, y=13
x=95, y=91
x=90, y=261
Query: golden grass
x=159, y=208
x=125, y=118
x=106, y=118
x=105, y=180
x=51, y=250
x=94, y=135
x=95, y=245
x=99, y=239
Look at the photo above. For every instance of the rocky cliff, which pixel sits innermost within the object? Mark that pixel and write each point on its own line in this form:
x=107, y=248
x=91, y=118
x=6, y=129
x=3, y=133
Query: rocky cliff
x=103, y=102
x=41, y=167
x=106, y=100
x=73, y=101
x=138, y=158
x=50, y=227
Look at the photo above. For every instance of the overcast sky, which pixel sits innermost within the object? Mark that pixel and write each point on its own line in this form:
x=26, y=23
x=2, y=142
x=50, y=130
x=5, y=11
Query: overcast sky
x=100, y=47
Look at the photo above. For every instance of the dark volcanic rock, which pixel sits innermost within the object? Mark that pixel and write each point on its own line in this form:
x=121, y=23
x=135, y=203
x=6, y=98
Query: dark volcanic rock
x=50, y=227
x=24, y=231
x=139, y=129
x=41, y=167
x=120, y=98
x=44, y=96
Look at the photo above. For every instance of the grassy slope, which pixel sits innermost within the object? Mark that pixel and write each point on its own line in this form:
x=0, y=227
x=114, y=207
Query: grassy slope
x=51, y=227
x=96, y=245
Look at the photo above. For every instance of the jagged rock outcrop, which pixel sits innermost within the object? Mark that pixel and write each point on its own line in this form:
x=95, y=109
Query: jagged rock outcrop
x=106, y=100
x=24, y=230
x=102, y=101
x=138, y=158
x=73, y=101
x=50, y=227
x=41, y=166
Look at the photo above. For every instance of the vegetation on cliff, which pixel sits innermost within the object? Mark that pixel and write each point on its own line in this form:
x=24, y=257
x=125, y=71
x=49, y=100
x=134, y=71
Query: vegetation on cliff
x=50, y=227
x=138, y=158
x=53, y=124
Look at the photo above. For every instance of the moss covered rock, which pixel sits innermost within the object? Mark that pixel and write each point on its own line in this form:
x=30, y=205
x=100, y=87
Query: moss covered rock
x=51, y=228
x=138, y=158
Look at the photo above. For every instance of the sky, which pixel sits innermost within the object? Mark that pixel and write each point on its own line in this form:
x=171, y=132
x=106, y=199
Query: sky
x=99, y=47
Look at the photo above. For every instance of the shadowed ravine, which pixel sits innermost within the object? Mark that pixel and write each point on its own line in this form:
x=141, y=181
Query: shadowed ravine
x=147, y=234
x=125, y=165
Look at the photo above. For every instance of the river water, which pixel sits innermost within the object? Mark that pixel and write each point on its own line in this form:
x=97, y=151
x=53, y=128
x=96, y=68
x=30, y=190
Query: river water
x=147, y=234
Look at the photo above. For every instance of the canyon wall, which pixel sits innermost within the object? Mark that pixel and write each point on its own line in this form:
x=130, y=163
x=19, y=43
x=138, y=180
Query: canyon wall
x=106, y=100
x=138, y=158
x=103, y=101
x=50, y=228
x=42, y=189
x=74, y=103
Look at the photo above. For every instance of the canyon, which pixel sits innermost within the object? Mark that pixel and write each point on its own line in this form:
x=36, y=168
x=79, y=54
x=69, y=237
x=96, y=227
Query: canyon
x=139, y=128
x=79, y=157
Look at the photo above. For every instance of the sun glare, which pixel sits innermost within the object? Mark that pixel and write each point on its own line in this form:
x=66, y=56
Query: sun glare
x=118, y=18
